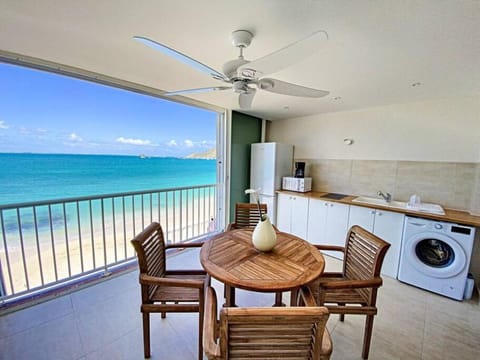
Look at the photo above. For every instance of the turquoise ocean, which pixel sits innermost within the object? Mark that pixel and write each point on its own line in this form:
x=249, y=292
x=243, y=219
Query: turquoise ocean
x=55, y=233
x=40, y=177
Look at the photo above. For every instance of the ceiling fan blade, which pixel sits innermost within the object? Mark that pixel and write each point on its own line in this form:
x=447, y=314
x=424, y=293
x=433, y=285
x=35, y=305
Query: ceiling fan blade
x=199, y=90
x=181, y=57
x=284, y=57
x=285, y=88
x=245, y=99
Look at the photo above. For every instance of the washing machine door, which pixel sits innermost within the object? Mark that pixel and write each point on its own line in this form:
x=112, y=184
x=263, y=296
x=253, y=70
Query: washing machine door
x=436, y=255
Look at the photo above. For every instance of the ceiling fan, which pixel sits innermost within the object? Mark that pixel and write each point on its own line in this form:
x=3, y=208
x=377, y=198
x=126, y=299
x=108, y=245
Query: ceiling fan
x=243, y=75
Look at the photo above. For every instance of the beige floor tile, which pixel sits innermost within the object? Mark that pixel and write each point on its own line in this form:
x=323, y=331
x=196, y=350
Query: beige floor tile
x=347, y=337
x=451, y=329
x=55, y=339
x=34, y=316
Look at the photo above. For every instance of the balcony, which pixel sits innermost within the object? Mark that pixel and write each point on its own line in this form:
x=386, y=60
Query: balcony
x=100, y=318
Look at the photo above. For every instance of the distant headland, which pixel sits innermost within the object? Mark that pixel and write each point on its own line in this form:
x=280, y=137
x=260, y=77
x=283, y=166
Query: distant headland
x=209, y=154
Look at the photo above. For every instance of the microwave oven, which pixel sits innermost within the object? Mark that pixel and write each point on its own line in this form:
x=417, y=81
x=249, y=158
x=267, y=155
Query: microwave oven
x=297, y=184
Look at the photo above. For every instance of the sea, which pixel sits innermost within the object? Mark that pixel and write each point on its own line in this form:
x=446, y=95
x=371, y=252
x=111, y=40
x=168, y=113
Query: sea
x=28, y=177
x=45, y=243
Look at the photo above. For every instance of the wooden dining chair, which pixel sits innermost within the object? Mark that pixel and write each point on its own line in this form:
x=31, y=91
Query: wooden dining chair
x=246, y=216
x=266, y=332
x=166, y=290
x=354, y=290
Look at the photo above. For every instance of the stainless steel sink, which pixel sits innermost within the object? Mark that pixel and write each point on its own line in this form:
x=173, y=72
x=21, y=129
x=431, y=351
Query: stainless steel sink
x=380, y=202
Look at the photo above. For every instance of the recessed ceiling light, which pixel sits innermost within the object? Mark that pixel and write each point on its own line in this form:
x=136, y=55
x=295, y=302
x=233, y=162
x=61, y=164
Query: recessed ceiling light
x=415, y=84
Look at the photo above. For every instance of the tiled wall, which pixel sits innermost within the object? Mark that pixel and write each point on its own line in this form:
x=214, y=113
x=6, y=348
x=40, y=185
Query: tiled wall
x=475, y=206
x=453, y=185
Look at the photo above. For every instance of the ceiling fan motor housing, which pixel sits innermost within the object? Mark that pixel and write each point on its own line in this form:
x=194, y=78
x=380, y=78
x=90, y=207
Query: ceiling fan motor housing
x=230, y=67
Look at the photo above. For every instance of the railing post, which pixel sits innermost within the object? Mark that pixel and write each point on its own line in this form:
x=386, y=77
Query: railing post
x=2, y=282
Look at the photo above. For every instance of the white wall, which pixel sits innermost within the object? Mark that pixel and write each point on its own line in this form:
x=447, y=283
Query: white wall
x=436, y=130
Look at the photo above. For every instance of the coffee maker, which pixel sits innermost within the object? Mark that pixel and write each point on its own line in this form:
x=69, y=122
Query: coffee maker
x=299, y=169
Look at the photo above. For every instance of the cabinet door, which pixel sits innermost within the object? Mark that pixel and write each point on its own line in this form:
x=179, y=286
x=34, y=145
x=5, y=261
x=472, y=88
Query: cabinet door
x=337, y=226
x=283, y=212
x=361, y=216
x=317, y=219
x=299, y=216
x=389, y=227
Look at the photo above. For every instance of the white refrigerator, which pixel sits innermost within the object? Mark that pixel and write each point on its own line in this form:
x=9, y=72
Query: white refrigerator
x=269, y=163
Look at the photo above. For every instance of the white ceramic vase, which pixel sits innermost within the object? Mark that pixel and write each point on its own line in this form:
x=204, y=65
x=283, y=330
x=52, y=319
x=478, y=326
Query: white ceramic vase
x=264, y=237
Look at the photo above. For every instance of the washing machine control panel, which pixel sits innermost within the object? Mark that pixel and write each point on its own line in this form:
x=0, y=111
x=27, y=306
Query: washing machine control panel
x=437, y=226
x=462, y=230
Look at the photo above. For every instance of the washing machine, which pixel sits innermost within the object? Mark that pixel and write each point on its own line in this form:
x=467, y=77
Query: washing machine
x=435, y=255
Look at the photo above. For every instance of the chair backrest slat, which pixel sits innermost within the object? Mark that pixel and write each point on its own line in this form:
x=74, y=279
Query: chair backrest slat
x=247, y=215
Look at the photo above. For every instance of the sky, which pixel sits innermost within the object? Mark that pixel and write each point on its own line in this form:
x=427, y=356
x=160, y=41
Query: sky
x=41, y=112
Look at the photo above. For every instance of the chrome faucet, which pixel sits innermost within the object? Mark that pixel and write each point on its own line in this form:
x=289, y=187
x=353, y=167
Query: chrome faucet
x=387, y=197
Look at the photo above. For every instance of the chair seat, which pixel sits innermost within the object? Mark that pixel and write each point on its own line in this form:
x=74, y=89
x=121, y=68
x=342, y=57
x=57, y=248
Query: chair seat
x=346, y=296
x=178, y=294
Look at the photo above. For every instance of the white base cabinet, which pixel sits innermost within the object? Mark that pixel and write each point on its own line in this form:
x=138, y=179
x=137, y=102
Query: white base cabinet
x=327, y=224
x=292, y=214
x=387, y=225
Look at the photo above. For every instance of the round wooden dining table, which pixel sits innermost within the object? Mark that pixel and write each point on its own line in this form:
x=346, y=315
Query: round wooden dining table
x=231, y=258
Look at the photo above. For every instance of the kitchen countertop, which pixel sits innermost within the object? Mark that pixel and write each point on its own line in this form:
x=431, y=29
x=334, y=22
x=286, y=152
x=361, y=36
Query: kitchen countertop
x=456, y=216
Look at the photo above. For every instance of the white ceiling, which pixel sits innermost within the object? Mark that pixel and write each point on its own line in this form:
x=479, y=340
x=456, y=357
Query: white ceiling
x=376, y=48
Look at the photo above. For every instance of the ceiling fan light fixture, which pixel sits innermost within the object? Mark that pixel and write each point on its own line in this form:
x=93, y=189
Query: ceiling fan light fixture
x=241, y=87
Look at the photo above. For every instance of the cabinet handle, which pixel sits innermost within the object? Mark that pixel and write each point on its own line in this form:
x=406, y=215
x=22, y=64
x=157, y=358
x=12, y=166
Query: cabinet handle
x=379, y=213
x=326, y=204
x=372, y=212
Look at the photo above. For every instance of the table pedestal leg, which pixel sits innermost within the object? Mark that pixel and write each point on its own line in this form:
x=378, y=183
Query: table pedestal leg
x=229, y=296
x=278, y=299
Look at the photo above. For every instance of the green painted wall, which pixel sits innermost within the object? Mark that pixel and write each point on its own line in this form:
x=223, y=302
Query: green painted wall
x=246, y=130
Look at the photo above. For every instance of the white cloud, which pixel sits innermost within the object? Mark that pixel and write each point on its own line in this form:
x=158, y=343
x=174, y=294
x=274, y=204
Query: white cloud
x=131, y=141
x=188, y=143
x=3, y=125
x=172, y=143
x=24, y=130
x=75, y=138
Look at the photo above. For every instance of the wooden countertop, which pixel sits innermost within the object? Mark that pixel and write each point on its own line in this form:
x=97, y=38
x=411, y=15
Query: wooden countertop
x=456, y=216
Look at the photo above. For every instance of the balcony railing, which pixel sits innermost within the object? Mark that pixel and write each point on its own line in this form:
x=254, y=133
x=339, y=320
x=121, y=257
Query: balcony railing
x=49, y=243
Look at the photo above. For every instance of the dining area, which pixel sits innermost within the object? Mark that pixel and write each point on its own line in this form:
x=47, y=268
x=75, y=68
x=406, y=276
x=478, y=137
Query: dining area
x=103, y=321
x=290, y=271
